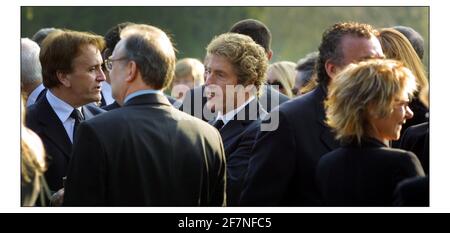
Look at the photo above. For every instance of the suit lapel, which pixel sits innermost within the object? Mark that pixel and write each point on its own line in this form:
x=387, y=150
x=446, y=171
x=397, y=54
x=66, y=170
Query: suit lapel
x=52, y=127
x=242, y=119
x=230, y=131
x=87, y=113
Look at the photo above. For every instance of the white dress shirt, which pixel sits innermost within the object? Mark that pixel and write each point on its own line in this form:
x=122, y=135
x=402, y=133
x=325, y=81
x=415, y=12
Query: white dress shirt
x=63, y=111
x=230, y=115
x=34, y=94
x=107, y=93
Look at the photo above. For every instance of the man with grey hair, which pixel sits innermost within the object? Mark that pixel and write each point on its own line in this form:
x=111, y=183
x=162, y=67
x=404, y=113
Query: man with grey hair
x=41, y=34
x=155, y=155
x=30, y=71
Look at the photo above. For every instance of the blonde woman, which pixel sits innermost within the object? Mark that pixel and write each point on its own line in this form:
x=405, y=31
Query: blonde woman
x=396, y=46
x=189, y=73
x=282, y=75
x=366, y=107
x=32, y=165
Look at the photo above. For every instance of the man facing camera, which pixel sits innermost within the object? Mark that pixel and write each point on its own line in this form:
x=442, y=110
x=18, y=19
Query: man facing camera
x=71, y=71
x=145, y=153
x=235, y=70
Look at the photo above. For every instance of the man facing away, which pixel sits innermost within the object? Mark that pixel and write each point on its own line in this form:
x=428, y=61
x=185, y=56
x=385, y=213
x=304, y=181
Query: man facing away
x=155, y=155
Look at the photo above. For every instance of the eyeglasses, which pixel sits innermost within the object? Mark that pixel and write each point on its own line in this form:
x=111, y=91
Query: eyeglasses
x=109, y=62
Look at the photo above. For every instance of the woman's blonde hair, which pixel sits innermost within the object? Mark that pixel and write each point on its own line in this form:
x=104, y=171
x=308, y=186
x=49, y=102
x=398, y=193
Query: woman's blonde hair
x=285, y=74
x=396, y=46
x=192, y=67
x=371, y=85
x=32, y=163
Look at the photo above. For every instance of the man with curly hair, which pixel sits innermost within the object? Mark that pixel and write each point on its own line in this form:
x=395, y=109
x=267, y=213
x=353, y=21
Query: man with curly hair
x=235, y=69
x=281, y=171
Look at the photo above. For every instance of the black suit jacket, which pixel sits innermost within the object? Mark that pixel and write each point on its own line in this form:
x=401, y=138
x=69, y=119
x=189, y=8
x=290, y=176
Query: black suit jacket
x=112, y=106
x=155, y=155
x=42, y=119
x=238, y=137
x=195, y=95
x=282, y=168
x=364, y=175
x=413, y=192
x=417, y=140
x=115, y=105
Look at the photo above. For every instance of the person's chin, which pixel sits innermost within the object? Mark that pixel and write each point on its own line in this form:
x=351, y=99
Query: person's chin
x=96, y=98
x=396, y=136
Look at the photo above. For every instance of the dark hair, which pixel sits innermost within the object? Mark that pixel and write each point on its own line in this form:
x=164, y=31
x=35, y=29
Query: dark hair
x=414, y=38
x=60, y=48
x=153, y=52
x=112, y=37
x=40, y=35
x=330, y=47
x=257, y=30
x=308, y=62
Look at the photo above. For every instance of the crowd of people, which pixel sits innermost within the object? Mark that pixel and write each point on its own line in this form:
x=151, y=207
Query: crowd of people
x=118, y=120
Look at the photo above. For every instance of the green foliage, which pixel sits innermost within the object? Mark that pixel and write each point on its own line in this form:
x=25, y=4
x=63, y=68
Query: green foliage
x=296, y=30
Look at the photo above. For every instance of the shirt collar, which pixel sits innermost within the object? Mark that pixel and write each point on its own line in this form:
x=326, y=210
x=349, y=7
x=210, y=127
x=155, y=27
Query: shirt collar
x=230, y=115
x=61, y=108
x=106, y=90
x=142, y=92
x=34, y=94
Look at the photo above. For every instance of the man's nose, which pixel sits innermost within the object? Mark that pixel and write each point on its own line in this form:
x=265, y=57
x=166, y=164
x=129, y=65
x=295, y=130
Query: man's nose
x=101, y=76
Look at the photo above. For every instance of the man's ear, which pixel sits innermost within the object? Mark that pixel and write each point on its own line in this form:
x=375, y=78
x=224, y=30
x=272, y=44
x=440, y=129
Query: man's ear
x=331, y=68
x=132, y=71
x=63, y=78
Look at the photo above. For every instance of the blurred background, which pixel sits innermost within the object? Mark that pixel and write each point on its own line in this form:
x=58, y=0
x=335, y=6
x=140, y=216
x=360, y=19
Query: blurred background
x=296, y=31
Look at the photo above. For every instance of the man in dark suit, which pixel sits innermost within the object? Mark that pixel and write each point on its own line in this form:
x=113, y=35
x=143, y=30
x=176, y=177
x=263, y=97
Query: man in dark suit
x=71, y=68
x=115, y=105
x=417, y=139
x=235, y=67
x=269, y=98
x=155, y=155
x=413, y=192
x=112, y=37
x=282, y=168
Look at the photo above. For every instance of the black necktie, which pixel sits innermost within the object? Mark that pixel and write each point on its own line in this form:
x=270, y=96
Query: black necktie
x=76, y=114
x=218, y=124
x=103, y=101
